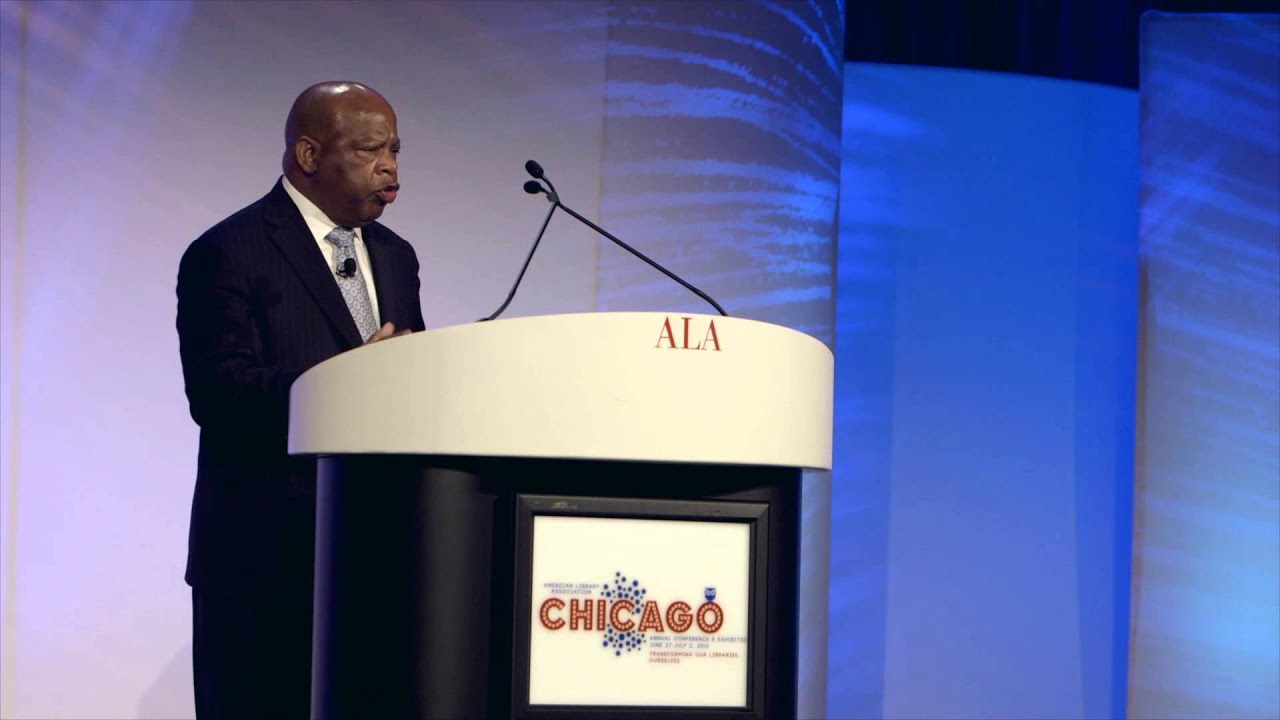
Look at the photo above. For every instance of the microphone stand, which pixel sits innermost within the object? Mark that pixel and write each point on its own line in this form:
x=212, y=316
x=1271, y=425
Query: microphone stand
x=557, y=204
x=524, y=267
x=534, y=187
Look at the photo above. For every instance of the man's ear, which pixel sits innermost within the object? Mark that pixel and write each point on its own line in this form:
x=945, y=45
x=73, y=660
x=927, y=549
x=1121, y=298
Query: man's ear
x=306, y=152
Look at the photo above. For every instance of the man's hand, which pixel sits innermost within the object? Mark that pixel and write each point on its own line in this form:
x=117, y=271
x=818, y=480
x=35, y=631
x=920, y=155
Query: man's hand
x=387, y=330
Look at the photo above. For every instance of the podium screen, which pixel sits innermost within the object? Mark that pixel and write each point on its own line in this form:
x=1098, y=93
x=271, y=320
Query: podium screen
x=640, y=611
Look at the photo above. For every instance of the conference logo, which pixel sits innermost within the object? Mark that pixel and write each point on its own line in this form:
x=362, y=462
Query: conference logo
x=626, y=617
x=680, y=337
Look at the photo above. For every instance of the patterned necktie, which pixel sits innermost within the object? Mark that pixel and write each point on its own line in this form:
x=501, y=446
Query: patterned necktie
x=354, y=291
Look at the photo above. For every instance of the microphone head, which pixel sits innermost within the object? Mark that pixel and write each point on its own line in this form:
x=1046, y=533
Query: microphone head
x=533, y=187
x=349, y=267
x=533, y=168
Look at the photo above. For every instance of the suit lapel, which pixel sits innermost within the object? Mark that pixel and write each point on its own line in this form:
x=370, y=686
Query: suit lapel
x=289, y=232
x=383, y=277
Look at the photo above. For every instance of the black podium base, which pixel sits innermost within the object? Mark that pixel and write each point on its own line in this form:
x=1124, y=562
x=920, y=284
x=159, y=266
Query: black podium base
x=415, y=579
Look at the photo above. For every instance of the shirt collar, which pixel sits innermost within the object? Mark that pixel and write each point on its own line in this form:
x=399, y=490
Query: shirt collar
x=319, y=223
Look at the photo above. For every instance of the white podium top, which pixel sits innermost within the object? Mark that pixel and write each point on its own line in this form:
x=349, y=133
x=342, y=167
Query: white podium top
x=600, y=386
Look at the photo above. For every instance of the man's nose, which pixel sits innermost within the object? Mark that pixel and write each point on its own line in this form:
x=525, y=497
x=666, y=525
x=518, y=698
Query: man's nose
x=389, y=163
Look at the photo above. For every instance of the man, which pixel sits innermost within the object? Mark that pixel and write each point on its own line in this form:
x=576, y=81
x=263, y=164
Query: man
x=295, y=278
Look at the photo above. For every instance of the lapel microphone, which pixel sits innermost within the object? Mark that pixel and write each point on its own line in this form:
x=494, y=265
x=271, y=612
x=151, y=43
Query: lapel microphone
x=347, y=268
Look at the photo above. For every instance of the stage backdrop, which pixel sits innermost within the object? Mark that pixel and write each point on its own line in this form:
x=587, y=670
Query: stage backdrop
x=1206, y=586
x=126, y=129
x=986, y=337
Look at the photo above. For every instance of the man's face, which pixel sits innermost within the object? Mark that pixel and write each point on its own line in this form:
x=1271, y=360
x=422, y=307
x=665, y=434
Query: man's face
x=356, y=169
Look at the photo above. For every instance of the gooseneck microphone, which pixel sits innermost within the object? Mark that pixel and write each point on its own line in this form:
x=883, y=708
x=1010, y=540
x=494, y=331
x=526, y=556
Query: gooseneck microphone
x=347, y=268
x=533, y=187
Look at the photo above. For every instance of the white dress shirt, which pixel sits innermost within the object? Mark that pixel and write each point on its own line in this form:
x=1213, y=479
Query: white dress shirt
x=320, y=226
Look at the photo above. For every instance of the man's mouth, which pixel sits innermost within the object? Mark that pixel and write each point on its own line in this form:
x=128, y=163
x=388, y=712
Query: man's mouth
x=388, y=193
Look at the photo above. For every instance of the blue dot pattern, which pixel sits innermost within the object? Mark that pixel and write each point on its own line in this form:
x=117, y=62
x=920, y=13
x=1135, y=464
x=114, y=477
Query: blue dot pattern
x=623, y=588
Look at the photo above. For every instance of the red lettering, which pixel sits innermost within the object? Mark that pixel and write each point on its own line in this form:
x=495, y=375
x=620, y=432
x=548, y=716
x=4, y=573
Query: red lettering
x=544, y=613
x=711, y=335
x=714, y=609
x=678, y=617
x=651, y=619
x=686, y=332
x=589, y=614
x=579, y=614
x=619, y=625
x=666, y=333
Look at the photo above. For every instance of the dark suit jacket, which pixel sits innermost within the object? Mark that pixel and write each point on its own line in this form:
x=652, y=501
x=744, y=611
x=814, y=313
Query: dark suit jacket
x=257, y=306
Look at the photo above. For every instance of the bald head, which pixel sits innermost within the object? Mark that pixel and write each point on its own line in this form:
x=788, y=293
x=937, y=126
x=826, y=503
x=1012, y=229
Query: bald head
x=340, y=150
x=319, y=109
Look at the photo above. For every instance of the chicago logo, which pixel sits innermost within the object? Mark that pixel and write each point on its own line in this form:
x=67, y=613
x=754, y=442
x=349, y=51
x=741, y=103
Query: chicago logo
x=625, y=615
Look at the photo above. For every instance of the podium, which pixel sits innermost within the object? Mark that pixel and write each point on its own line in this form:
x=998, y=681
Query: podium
x=589, y=515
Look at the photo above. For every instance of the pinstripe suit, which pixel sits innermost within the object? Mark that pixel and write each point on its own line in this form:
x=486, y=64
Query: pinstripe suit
x=257, y=306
